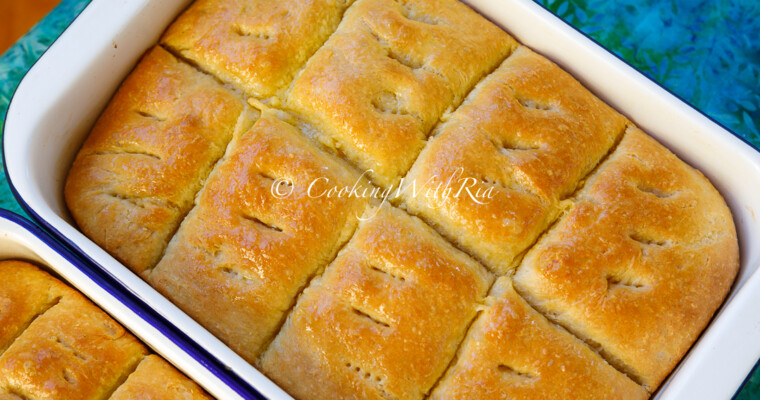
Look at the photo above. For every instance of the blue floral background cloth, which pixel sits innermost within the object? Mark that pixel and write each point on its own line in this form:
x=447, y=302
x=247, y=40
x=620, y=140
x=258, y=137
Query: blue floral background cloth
x=705, y=51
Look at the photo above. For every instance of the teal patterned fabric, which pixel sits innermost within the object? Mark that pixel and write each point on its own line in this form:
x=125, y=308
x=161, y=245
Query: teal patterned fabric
x=705, y=51
x=19, y=58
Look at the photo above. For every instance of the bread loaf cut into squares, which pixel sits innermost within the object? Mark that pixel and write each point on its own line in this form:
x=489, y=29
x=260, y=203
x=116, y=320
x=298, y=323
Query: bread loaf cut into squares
x=529, y=132
x=148, y=154
x=513, y=352
x=243, y=254
x=380, y=83
x=257, y=45
x=55, y=344
x=640, y=263
x=611, y=254
x=384, y=320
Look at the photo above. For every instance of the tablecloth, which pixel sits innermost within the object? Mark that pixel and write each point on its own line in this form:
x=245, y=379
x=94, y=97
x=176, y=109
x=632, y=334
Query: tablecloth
x=705, y=51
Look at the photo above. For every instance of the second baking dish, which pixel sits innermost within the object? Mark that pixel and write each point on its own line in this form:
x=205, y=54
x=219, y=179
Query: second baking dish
x=21, y=240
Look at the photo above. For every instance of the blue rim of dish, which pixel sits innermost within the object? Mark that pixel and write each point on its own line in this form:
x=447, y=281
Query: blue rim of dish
x=746, y=380
x=116, y=290
x=106, y=280
x=182, y=340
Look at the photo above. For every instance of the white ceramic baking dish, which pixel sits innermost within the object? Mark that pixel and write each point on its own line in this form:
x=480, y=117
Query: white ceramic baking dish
x=22, y=240
x=60, y=97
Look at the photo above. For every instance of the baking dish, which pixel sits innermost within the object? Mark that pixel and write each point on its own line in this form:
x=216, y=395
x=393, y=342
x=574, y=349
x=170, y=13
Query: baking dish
x=62, y=95
x=22, y=240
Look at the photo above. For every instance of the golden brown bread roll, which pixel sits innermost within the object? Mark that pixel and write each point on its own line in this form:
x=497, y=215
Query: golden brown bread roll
x=529, y=132
x=388, y=73
x=66, y=347
x=384, y=320
x=257, y=45
x=243, y=254
x=72, y=351
x=26, y=293
x=640, y=263
x=513, y=352
x=148, y=154
x=154, y=379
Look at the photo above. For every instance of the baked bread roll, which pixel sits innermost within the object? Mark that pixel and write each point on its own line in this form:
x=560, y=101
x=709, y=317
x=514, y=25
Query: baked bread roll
x=258, y=45
x=384, y=320
x=57, y=345
x=529, y=133
x=382, y=81
x=243, y=254
x=148, y=154
x=513, y=352
x=640, y=263
x=154, y=379
x=25, y=295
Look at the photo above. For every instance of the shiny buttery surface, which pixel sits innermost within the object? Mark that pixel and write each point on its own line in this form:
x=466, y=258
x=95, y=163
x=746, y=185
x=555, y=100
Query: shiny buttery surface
x=382, y=81
x=640, y=262
x=384, y=320
x=258, y=45
x=242, y=255
x=64, y=347
x=148, y=155
x=530, y=133
x=542, y=362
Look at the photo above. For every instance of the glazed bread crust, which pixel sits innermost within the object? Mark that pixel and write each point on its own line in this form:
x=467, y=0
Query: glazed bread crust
x=72, y=351
x=384, y=320
x=56, y=344
x=26, y=293
x=155, y=379
x=147, y=156
x=257, y=45
x=380, y=83
x=641, y=262
x=529, y=133
x=513, y=352
x=243, y=254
